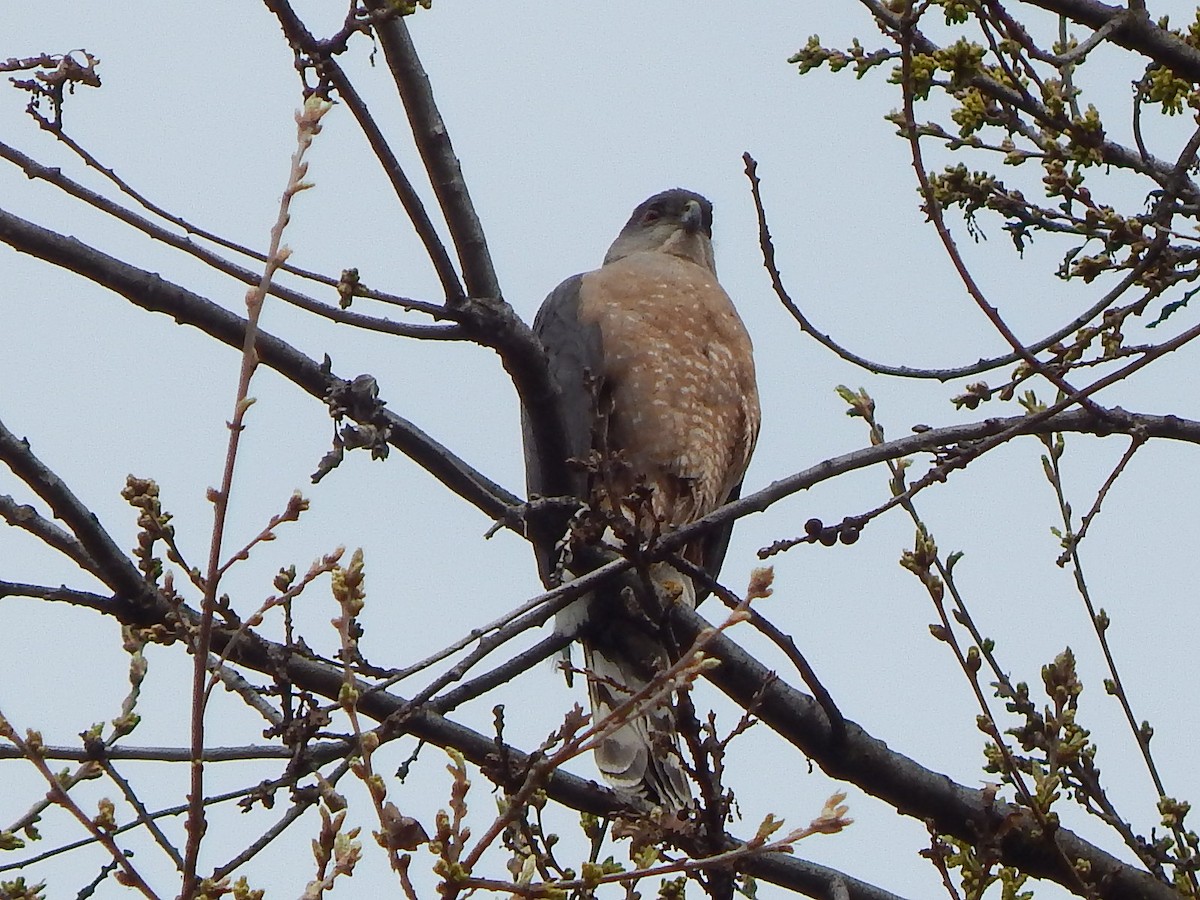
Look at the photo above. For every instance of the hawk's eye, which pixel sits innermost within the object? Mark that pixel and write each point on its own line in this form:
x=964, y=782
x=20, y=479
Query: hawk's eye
x=651, y=216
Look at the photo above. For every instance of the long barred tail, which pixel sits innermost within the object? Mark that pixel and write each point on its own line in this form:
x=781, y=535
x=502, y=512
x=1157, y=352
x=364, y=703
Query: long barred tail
x=642, y=756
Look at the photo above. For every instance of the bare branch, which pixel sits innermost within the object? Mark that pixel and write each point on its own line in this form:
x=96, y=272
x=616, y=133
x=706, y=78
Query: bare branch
x=322, y=54
x=433, y=143
x=911, y=788
x=1133, y=30
x=143, y=815
x=111, y=564
x=34, y=169
x=62, y=594
x=163, y=754
x=153, y=293
x=27, y=518
x=301, y=803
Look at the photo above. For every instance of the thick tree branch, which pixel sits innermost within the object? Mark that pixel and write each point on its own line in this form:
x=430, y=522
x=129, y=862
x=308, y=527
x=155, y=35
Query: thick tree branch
x=1120, y=422
x=153, y=293
x=161, y=754
x=61, y=594
x=433, y=143
x=1134, y=31
x=908, y=786
x=488, y=319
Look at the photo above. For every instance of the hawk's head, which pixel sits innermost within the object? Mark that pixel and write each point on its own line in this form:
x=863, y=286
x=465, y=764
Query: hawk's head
x=678, y=222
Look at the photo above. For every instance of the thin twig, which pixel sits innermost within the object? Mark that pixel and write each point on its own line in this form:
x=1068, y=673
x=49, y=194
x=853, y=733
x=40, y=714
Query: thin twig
x=143, y=815
x=1099, y=623
x=54, y=176
x=1136, y=442
x=307, y=127
x=767, y=248
x=301, y=803
x=58, y=795
x=434, y=310
x=778, y=637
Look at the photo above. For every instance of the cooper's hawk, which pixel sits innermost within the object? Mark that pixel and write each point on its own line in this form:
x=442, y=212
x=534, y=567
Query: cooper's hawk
x=655, y=376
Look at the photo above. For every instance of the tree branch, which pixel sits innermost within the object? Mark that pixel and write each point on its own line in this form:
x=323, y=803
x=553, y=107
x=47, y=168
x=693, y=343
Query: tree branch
x=1113, y=153
x=27, y=518
x=767, y=248
x=433, y=143
x=322, y=54
x=52, y=175
x=1134, y=31
x=905, y=784
x=153, y=293
x=487, y=317
x=112, y=566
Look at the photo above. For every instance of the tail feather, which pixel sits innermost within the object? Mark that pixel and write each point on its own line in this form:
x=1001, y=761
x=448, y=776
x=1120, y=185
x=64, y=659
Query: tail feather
x=642, y=756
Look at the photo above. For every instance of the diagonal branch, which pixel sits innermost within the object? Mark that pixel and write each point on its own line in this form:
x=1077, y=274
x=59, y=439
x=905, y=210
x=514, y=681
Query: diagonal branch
x=322, y=55
x=112, y=565
x=437, y=153
x=27, y=518
x=1134, y=30
x=488, y=319
x=908, y=786
x=153, y=293
x=53, y=175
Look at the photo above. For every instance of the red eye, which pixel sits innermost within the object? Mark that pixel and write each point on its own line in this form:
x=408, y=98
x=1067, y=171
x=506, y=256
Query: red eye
x=651, y=216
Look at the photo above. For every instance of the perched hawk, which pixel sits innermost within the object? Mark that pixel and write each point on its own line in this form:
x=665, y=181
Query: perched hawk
x=655, y=376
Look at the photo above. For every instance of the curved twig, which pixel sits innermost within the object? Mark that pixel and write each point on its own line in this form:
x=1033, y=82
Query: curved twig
x=767, y=247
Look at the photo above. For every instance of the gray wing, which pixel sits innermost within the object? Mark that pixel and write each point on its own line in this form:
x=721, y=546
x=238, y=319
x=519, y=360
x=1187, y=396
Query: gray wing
x=714, y=545
x=574, y=354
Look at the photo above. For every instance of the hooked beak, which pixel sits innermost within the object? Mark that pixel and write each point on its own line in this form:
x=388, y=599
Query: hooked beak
x=692, y=219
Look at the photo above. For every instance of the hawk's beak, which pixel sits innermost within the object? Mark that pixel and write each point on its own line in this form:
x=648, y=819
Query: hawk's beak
x=692, y=219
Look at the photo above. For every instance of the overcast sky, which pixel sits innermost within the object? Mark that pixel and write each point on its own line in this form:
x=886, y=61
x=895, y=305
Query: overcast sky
x=565, y=116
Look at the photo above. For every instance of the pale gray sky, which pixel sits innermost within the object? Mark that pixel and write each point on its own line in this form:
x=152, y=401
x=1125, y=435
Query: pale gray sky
x=565, y=116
